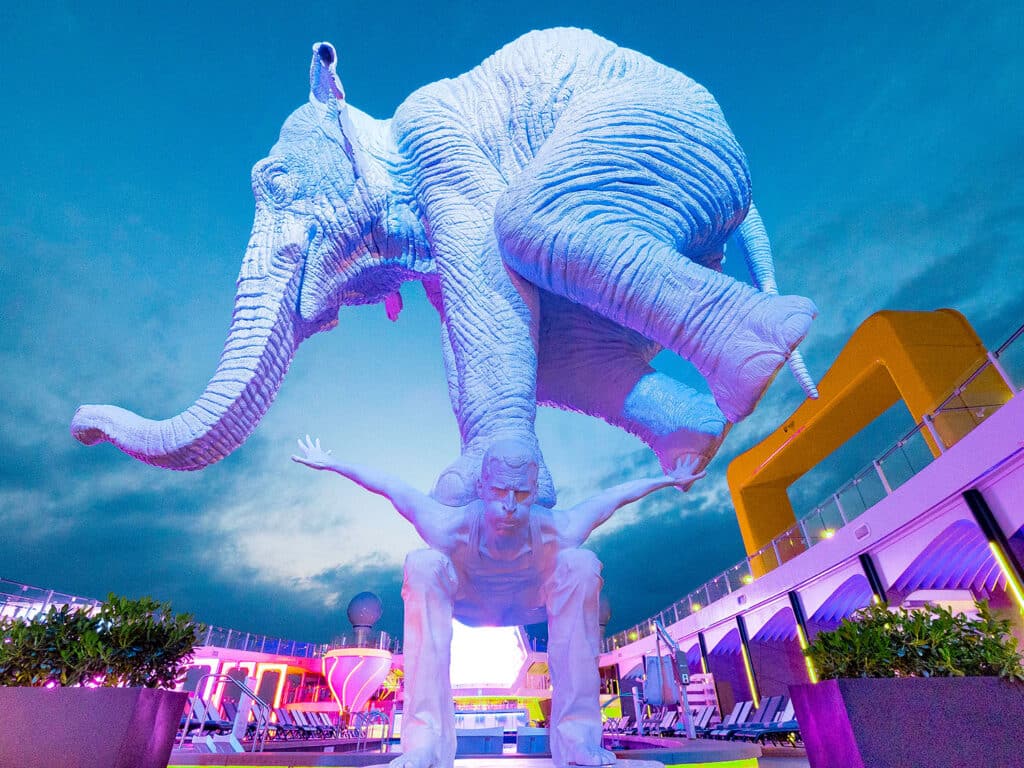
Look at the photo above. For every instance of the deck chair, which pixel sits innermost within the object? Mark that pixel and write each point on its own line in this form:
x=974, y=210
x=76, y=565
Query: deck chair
x=667, y=724
x=739, y=714
x=289, y=727
x=703, y=718
x=764, y=715
x=722, y=730
x=204, y=718
x=305, y=720
x=329, y=724
x=784, y=729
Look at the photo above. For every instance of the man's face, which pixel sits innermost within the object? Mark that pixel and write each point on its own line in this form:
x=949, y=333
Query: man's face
x=508, y=494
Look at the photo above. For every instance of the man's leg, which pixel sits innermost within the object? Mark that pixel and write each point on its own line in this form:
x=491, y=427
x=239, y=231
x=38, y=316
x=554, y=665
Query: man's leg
x=571, y=595
x=428, y=720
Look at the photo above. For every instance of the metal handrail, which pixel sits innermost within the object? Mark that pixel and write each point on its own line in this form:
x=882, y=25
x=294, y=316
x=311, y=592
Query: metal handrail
x=701, y=596
x=661, y=635
x=361, y=724
x=261, y=708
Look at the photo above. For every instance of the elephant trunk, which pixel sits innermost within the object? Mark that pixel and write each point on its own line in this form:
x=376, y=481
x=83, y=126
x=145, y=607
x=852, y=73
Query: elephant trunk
x=260, y=345
x=757, y=251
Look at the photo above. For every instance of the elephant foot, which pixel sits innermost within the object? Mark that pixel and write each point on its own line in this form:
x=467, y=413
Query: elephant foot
x=456, y=485
x=753, y=354
x=701, y=440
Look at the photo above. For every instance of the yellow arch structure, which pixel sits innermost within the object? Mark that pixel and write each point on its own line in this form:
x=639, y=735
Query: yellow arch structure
x=917, y=357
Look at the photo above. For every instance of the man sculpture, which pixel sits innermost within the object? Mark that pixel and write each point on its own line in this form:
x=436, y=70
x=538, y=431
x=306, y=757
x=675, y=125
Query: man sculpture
x=501, y=560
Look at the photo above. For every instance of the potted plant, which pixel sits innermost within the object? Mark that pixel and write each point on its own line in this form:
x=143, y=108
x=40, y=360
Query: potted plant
x=87, y=687
x=923, y=687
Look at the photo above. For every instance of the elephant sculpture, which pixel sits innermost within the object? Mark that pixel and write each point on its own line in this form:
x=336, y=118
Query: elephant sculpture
x=566, y=206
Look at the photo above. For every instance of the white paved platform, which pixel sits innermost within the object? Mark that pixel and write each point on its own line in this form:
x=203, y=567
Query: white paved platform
x=696, y=754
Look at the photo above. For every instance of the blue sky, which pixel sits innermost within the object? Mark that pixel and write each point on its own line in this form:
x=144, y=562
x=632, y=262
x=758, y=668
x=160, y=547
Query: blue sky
x=885, y=146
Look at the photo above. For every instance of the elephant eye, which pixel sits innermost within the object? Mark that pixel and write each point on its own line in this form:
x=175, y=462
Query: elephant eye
x=273, y=179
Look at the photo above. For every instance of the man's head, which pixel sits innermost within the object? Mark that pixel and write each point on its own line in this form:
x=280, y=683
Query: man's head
x=508, y=485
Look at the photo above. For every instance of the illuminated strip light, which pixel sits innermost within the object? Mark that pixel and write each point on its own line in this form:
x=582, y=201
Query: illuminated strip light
x=750, y=676
x=812, y=673
x=801, y=634
x=703, y=653
x=748, y=666
x=218, y=691
x=282, y=673
x=1011, y=578
x=1008, y=562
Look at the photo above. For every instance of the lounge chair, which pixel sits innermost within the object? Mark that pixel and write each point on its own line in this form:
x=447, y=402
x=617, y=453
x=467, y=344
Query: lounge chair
x=667, y=724
x=288, y=727
x=764, y=715
x=739, y=714
x=784, y=729
x=701, y=717
x=204, y=718
x=305, y=720
x=751, y=731
x=723, y=730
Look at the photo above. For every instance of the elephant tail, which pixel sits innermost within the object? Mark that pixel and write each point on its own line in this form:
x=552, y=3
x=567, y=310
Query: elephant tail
x=757, y=251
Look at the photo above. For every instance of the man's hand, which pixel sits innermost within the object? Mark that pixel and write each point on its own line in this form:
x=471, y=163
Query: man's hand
x=313, y=455
x=685, y=473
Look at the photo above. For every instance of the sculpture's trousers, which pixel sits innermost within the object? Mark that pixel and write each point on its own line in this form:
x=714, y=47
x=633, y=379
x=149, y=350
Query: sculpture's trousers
x=570, y=591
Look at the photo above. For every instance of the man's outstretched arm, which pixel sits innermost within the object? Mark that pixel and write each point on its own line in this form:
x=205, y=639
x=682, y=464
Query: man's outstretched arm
x=434, y=522
x=580, y=521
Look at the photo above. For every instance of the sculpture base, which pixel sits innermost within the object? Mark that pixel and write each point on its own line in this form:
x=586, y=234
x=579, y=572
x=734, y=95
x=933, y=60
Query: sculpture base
x=701, y=753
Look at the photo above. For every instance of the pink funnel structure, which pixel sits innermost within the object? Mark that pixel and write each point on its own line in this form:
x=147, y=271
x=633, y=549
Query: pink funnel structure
x=354, y=674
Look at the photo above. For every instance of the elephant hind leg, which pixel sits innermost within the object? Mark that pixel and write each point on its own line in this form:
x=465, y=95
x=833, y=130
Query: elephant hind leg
x=600, y=253
x=631, y=193
x=736, y=336
x=588, y=364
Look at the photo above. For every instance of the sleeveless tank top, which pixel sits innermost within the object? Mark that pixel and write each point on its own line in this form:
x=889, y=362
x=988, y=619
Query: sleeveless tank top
x=500, y=592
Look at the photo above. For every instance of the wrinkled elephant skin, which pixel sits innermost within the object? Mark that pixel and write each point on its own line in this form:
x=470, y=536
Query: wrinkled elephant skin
x=566, y=206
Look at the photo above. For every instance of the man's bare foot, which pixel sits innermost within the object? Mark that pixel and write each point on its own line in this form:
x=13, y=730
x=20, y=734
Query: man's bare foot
x=752, y=355
x=582, y=754
x=423, y=757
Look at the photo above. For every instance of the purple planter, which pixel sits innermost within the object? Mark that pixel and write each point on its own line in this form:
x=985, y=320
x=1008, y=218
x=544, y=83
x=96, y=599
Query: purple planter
x=88, y=727
x=963, y=722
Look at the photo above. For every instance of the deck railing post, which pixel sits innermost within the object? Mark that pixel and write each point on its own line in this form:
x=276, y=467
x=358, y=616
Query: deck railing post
x=1001, y=371
x=839, y=507
x=881, y=476
x=930, y=424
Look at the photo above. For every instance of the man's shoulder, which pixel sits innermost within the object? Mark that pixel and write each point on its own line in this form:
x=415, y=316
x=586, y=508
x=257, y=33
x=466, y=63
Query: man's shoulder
x=548, y=521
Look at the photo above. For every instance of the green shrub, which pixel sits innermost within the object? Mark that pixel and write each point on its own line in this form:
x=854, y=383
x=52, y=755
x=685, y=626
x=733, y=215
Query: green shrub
x=124, y=643
x=926, y=642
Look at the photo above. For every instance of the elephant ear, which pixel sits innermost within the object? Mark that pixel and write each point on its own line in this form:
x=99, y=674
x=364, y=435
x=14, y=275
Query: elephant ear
x=325, y=90
x=324, y=85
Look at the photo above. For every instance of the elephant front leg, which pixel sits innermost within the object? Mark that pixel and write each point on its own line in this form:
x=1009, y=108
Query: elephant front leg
x=490, y=314
x=589, y=364
x=491, y=325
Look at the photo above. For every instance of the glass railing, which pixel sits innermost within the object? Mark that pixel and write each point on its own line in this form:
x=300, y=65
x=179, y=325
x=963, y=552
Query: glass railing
x=983, y=391
x=22, y=601
x=380, y=640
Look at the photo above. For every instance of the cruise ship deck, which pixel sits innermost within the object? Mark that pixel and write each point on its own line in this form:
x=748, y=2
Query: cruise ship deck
x=934, y=518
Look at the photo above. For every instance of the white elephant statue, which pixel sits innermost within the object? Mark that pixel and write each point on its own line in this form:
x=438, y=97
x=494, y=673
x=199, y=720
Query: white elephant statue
x=566, y=206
